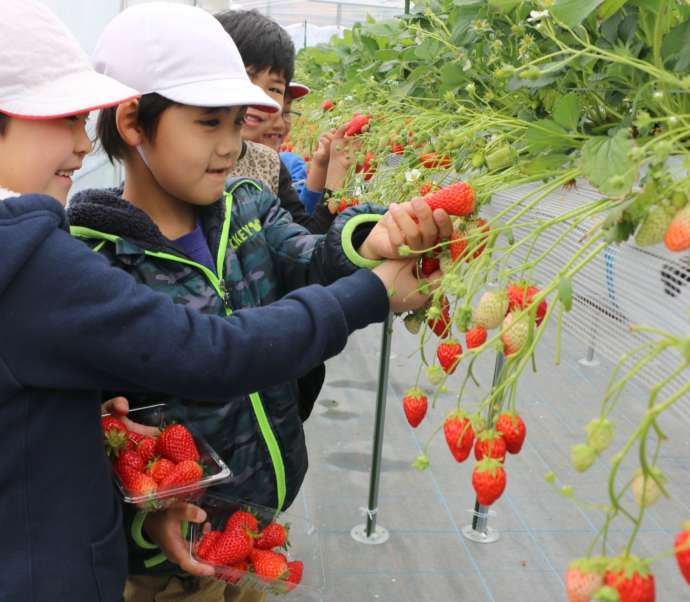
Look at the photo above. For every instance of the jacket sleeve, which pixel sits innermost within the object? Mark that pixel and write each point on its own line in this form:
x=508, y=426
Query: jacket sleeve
x=317, y=222
x=302, y=258
x=70, y=321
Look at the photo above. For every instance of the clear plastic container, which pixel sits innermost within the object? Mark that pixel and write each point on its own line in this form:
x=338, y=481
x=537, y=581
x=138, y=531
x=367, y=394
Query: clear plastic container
x=303, y=540
x=215, y=470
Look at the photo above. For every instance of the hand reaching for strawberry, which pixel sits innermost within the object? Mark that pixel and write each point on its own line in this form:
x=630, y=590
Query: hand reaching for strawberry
x=413, y=224
x=164, y=528
x=406, y=291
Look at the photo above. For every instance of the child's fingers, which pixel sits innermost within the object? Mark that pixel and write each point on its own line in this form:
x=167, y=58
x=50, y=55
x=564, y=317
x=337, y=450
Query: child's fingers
x=426, y=222
x=194, y=567
x=117, y=405
x=395, y=234
x=410, y=229
x=443, y=223
x=184, y=511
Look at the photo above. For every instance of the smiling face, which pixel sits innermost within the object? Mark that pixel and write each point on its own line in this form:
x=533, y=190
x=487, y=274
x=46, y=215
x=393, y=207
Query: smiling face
x=259, y=126
x=193, y=151
x=41, y=156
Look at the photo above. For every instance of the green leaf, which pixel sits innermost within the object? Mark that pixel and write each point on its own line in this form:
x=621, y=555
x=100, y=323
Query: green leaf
x=546, y=134
x=543, y=165
x=566, y=111
x=606, y=164
x=676, y=47
x=573, y=12
x=452, y=74
x=565, y=292
x=428, y=50
x=609, y=8
x=504, y=6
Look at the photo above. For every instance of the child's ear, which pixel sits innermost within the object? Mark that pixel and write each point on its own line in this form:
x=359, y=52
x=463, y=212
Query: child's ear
x=127, y=123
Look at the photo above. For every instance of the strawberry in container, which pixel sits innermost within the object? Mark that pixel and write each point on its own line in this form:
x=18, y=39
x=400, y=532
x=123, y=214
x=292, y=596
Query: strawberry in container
x=257, y=547
x=161, y=461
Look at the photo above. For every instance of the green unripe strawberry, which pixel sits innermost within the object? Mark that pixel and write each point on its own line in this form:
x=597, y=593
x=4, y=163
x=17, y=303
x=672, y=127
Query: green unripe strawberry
x=435, y=374
x=582, y=457
x=500, y=158
x=653, y=227
x=599, y=434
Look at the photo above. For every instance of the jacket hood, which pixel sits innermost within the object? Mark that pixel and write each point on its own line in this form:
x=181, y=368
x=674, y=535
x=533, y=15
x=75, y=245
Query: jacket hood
x=25, y=223
x=105, y=210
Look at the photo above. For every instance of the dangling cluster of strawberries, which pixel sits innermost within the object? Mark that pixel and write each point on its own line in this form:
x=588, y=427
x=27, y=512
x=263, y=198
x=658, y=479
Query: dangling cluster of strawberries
x=148, y=466
x=243, y=548
x=358, y=124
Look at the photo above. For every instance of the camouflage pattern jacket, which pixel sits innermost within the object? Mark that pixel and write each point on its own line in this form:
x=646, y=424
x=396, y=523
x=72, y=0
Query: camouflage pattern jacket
x=261, y=255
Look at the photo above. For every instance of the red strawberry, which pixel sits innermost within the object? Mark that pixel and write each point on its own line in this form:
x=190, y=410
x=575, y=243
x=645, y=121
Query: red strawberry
x=367, y=167
x=268, y=565
x=682, y=548
x=114, y=433
x=345, y=203
x=489, y=481
x=583, y=579
x=448, y=354
x=274, y=535
x=295, y=570
x=456, y=199
x=513, y=429
x=128, y=459
x=357, y=124
x=677, y=236
x=207, y=543
x=475, y=337
x=458, y=246
x=327, y=105
x=134, y=438
x=432, y=160
x=232, y=546
x=441, y=325
x=160, y=469
x=520, y=297
x=147, y=448
x=176, y=443
x=415, y=404
x=632, y=584
x=429, y=265
x=184, y=473
x=137, y=483
x=242, y=520
x=459, y=435
x=490, y=444
x=425, y=189
x=397, y=149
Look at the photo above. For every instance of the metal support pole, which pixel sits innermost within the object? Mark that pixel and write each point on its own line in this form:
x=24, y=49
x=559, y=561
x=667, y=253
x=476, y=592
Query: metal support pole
x=479, y=531
x=407, y=7
x=339, y=15
x=369, y=532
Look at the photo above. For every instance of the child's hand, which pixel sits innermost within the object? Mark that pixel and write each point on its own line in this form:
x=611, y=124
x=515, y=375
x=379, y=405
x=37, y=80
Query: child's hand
x=322, y=154
x=119, y=407
x=412, y=224
x=165, y=529
x=399, y=276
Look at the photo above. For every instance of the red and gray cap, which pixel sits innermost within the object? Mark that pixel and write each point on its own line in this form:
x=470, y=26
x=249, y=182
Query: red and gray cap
x=44, y=72
x=297, y=90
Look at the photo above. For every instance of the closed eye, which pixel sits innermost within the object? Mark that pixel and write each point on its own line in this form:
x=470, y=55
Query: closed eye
x=209, y=122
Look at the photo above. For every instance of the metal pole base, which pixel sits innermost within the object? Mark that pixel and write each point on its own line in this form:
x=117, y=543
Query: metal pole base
x=489, y=536
x=588, y=363
x=379, y=536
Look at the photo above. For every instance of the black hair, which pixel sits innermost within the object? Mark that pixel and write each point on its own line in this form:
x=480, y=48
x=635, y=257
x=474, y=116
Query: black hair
x=3, y=123
x=151, y=108
x=263, y=44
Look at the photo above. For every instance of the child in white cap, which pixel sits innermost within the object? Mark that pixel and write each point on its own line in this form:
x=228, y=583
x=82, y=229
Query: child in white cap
x=72, y=327
x=180, y=228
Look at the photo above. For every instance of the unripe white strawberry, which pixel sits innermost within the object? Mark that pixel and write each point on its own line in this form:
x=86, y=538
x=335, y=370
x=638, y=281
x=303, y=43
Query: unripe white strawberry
x=654, y=227
x=514, y=333
x=649, y=489
x=491, y=309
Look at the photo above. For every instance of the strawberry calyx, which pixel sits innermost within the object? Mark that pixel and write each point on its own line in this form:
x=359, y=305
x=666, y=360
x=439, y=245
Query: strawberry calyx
x=629, y=565
x=490, y=465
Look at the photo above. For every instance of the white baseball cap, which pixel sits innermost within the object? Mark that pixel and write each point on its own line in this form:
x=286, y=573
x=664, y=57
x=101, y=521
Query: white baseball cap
x=44, y=73
x=180, y=52
x=297, y=90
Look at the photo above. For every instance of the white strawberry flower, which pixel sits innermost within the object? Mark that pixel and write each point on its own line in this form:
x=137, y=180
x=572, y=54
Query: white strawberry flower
x=412, y=175
x=537, y=15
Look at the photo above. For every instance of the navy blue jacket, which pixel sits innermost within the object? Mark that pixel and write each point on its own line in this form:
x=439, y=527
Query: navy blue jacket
x=72, y=326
